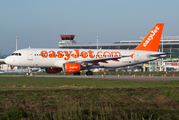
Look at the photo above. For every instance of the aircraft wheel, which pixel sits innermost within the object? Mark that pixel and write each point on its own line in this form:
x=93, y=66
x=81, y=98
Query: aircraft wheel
x=89, y=73
x=77, y=73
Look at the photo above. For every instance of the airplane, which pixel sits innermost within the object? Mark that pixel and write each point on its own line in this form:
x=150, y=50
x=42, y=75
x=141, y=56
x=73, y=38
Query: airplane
x=75, y=60
x=19, y=70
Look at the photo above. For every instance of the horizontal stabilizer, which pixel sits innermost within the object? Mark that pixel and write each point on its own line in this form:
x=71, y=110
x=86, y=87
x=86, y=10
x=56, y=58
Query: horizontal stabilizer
x=159, y=54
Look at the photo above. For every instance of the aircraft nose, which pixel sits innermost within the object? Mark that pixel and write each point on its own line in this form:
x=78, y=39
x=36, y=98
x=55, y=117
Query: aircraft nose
x=7, y=60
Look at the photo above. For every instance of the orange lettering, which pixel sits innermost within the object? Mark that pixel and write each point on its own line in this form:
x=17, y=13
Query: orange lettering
x=67, y=55
x=116, y=53
x=107, y=53
x=91, y=54
x=60, y=55
x=44, y=54
x=76, y=55
x=99, y=55
x=84, y=54
x=52, y=54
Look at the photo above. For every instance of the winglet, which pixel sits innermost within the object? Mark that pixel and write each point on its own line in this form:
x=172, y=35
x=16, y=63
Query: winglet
x=152, y=40
x=131, y=55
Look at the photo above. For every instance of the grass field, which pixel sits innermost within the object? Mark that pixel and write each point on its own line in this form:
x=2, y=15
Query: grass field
x=84, y=98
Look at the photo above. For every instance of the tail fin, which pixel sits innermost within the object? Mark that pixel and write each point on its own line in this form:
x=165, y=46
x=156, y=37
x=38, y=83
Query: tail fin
x=152, y=40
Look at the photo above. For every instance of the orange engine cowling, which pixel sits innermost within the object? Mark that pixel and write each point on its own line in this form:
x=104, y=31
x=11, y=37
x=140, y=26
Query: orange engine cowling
x=53, y=70
x=71, y=67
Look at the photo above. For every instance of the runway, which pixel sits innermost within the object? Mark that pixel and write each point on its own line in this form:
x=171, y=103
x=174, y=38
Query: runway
x=107, y=77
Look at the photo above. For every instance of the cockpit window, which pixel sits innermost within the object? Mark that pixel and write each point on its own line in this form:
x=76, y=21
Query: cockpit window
x=16, y=54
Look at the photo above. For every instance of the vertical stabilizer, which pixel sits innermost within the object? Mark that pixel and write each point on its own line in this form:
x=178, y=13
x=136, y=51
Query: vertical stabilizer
x=152, y=40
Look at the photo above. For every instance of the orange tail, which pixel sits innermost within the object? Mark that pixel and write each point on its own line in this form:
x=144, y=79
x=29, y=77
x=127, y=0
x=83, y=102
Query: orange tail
x=152, y=40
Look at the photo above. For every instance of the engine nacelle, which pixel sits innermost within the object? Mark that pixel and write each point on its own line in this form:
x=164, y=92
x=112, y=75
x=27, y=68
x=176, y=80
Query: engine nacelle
x=53, y=70
x=71, y=67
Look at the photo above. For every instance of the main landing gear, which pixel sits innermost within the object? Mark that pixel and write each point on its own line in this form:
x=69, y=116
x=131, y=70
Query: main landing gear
x=89, y=73
x=77, y=73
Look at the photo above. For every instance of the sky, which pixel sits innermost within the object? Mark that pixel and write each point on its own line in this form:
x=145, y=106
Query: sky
x=39, y=23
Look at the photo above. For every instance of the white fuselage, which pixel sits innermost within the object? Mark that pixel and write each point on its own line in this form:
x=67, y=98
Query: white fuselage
x=57, y=57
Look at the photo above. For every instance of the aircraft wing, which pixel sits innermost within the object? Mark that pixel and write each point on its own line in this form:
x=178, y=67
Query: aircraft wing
x=99, y=59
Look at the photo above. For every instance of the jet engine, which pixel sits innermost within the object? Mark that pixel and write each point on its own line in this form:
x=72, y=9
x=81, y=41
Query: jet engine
x=53, y=70
x=71, y=67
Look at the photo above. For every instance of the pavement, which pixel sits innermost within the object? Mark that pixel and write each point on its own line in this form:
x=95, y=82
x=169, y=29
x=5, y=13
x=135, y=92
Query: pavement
x=107, y=77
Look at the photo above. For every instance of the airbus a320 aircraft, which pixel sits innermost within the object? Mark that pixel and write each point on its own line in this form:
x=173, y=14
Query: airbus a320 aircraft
x=74, y=60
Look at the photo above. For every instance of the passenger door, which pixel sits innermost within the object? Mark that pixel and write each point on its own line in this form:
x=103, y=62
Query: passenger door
x=29, y=54
x=136, y=57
